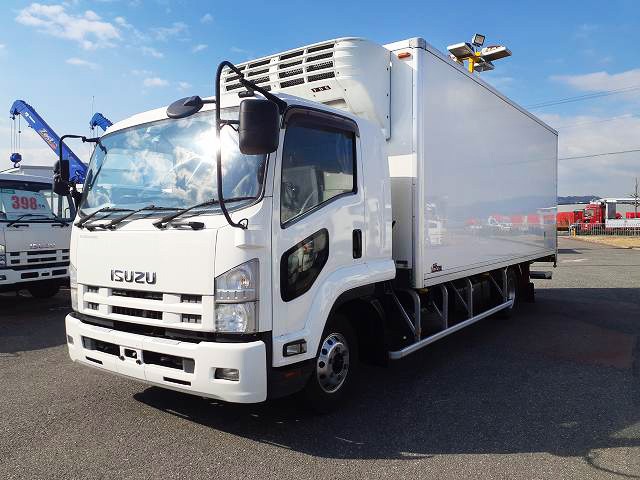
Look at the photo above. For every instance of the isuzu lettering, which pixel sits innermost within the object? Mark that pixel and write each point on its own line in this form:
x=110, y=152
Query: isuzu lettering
x=315, y=214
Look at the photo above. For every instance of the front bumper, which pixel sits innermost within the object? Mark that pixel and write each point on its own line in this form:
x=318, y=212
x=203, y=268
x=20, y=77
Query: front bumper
x=177, y=365
x=10, y=278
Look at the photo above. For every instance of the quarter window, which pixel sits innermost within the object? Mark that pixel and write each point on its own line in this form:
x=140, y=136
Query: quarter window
x=318, y=164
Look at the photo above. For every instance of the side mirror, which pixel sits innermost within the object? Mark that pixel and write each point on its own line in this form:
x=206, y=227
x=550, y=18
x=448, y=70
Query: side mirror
x=259, y=126
x=61, y=177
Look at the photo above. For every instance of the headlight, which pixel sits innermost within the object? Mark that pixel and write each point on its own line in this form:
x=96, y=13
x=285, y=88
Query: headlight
x=73, y=286
x=3, y=256
x=236, y=293
x=236, y=317
x=240, y=284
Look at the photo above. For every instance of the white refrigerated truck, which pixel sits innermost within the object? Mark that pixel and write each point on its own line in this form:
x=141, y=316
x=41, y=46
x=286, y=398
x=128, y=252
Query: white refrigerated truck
x=35, y=228
x=340, y=161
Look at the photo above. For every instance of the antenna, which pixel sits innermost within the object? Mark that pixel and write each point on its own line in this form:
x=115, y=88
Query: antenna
x=478, y=59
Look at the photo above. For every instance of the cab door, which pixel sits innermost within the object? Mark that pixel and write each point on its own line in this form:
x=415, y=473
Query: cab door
x=318, y=205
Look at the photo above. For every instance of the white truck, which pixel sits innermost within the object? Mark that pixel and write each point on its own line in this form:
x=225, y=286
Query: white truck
x=35, y=228
x=334, y=161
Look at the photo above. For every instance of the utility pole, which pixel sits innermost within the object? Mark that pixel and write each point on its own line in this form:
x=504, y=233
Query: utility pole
x=636, y=198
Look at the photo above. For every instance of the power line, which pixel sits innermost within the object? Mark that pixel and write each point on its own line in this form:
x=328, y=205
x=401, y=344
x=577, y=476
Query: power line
x=600, y=154
x=587, y=96
x=602, y=120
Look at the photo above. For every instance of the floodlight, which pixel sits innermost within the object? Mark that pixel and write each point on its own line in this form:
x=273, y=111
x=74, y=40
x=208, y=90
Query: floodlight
x=461, y=50
x=478, y=40
x=495, y=52
x=483, y=65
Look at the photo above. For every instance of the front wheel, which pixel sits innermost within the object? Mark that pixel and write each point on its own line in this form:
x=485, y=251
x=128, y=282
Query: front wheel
x=335, y=367
x=44, y=290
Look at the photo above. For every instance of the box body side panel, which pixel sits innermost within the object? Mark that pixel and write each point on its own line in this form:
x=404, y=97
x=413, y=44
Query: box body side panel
x=486, y=177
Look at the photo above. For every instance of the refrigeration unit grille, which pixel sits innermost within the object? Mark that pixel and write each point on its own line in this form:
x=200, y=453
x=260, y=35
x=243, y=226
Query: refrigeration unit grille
x=304, y=65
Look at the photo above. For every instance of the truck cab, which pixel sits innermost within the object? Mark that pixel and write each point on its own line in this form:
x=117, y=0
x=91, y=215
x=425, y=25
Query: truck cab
x=213, y=309
x=35, y=229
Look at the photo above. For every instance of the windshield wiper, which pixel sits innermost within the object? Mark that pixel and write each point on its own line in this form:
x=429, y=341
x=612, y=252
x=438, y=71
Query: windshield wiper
x=60, y=221
x=13, y=222
x=116, y=221
x=164, y=221
x=81, y=222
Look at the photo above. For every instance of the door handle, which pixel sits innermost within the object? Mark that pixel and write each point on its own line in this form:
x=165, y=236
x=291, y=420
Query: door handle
x=357, y=243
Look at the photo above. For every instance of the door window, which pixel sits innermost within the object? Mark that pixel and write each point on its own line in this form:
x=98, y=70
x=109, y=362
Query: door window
x=318, y=165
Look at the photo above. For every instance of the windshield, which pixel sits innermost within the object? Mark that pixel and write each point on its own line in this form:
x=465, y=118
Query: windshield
x=170, y=163
x=35, y=201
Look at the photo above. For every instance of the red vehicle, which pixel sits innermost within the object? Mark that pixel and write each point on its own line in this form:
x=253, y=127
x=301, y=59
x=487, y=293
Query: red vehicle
x=565, y=219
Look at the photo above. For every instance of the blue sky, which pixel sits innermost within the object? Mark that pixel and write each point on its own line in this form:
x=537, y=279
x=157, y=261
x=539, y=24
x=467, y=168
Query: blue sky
x=133, y=55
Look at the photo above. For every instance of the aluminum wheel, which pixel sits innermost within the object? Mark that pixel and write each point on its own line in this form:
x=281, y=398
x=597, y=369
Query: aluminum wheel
x=333, y=362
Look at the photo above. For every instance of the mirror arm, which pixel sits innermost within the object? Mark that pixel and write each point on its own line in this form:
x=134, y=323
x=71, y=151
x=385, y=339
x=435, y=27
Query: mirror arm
x=244, y=223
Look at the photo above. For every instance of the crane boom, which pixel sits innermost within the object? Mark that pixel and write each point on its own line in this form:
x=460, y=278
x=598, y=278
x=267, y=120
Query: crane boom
x=99, y=120
x=77, y=169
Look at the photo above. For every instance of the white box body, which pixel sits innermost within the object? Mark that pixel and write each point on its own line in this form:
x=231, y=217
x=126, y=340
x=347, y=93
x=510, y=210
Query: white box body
x=473, y=175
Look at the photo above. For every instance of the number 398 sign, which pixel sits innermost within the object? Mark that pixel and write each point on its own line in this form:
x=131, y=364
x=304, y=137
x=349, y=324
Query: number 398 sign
x=21, y=201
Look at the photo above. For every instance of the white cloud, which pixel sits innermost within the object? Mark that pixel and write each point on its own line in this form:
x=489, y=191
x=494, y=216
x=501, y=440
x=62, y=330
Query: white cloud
x=2, y=46
x=199, y=48
x=598, y=81
x=122, y=22
x=499, y=82
x=155, y=82
x=585, y=30
x=182, y=86
x=79, y=62
x=87, y=29
x=139, y=73
x=151, y=52
x=163, y=34
x=609, y=175
x=238, y=50
x=206, y=18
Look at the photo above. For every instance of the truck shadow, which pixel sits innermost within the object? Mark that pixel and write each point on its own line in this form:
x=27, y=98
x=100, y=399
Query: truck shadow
x=28, y=323
x=561, y=377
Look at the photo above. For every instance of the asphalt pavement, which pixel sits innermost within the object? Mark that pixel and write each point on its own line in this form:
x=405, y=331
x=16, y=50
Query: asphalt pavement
x=553, y=393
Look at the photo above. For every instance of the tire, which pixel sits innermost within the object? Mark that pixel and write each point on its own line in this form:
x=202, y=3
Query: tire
x=513, y=292
x=44, y=290
x=335, y=368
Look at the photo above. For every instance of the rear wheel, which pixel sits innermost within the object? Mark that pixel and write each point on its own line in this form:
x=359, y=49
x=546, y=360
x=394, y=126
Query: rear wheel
x=44, y=289
x=335, y=367
x=513, y=293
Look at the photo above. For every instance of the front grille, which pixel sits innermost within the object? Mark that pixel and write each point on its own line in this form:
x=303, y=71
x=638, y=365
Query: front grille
x=191, y=318
x=38, y=259
x=177, y=310
x=191, y=298
x=137, y=312
x=157, y=331
x=136, y=294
